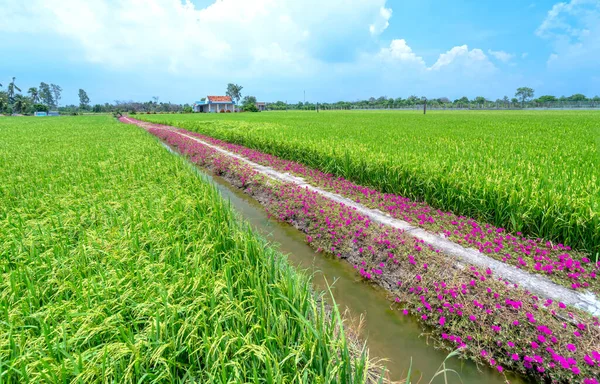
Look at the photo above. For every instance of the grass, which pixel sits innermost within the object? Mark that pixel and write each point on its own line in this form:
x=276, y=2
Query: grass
x=527, y=171
x=119, y=264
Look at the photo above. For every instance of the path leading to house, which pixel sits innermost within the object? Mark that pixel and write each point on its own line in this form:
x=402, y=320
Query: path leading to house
x=536, y=284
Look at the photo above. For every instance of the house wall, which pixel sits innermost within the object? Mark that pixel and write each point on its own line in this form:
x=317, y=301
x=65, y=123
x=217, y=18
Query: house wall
x=215, y=107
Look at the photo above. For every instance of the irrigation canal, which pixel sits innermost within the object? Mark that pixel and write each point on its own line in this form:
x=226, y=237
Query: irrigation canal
x=388, y=333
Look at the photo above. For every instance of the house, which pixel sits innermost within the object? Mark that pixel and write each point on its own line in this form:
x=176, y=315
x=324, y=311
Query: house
x=215, y=104
x=261, y=105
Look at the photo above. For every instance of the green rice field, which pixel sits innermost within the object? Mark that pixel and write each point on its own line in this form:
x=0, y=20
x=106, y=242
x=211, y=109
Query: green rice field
x=534, y=172
x=119, y=264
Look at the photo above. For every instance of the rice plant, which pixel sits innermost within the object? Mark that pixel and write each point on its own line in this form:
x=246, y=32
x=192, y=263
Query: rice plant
x=527, y=171
x=119, y=264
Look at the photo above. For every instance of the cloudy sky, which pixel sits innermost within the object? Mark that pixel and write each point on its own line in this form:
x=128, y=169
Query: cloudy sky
x=333, y=49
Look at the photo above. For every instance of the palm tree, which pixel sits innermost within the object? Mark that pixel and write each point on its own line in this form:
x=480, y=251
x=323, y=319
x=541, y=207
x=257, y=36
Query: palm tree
x=11, y=90
x=20, y=104
x=34, y=94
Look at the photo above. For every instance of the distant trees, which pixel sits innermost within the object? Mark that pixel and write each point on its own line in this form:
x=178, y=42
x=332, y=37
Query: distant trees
x=479, y=100
x=234, y=91
x=20, y=104
x=84, y=100
x=45, y=95
x=577, y=97
x=56, y=92
x=33, y=94
x=12, y=89
x=249, y=104
x=524, y=93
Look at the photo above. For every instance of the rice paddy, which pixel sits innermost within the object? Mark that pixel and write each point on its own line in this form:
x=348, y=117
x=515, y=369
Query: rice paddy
x=119, y=264
x=530, y=172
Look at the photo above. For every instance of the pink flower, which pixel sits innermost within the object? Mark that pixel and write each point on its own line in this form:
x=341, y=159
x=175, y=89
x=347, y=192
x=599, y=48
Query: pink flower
x=442, y=321
x=541, y=338
x=499, y=368
x=472, y=318
x=514, y=356
x=571, y=347
x=589, y=361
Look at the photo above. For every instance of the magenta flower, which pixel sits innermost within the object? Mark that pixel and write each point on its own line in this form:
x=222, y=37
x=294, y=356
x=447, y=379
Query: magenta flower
x=571, y=347
x=442, y=321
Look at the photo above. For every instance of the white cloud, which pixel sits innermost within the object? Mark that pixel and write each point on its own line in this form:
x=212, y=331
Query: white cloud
x=272, y=47
x=399, y=51
x=505, y=57
x=227, y=35
x=462, y=58
x=382, y=22
x=573, y=28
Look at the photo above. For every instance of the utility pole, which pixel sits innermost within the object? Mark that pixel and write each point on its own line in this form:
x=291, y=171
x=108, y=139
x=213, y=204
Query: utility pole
x=425, y=105
x=305, y=97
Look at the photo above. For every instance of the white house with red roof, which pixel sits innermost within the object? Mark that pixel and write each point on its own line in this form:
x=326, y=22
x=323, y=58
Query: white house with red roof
x=215, y=104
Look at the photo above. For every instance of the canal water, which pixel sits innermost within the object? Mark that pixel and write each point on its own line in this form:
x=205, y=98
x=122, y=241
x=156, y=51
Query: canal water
x=388, y=334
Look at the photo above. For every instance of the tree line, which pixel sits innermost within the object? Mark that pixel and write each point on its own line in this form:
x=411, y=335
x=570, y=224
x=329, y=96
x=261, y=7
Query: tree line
x=46, y=97
x=523, y=98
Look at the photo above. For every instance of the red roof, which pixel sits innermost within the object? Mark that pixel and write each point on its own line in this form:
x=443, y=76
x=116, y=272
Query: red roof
x=219, y=99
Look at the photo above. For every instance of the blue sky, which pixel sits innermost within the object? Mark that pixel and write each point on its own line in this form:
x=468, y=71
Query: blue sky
x=333, y=49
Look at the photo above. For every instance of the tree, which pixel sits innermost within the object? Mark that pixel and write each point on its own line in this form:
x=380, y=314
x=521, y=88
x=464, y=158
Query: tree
x=249, y=104
x=40, y=108
x=514, y=100
x=479, y=100
x=546, y=99
x=45, y=95
x=524, y=93
x=84, y=100
x=11, y=90
x=34, y=94
x=3, y=101
x=234, y=91
x=56, y=91
x=20, y=104
x=577, y=97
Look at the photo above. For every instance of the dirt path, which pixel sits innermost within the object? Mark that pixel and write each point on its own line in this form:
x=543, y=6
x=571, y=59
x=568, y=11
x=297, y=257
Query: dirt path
x=536, y=284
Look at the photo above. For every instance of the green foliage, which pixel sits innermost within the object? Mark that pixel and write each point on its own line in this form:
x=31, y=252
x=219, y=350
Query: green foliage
x=546, y=99
x=119, y=264
x=234, y=91
x=249, y=104
x=524, y=93
x=533, y=172
x=188, y=109
x=40, y=108
x=45, y=94
x=84, y=100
